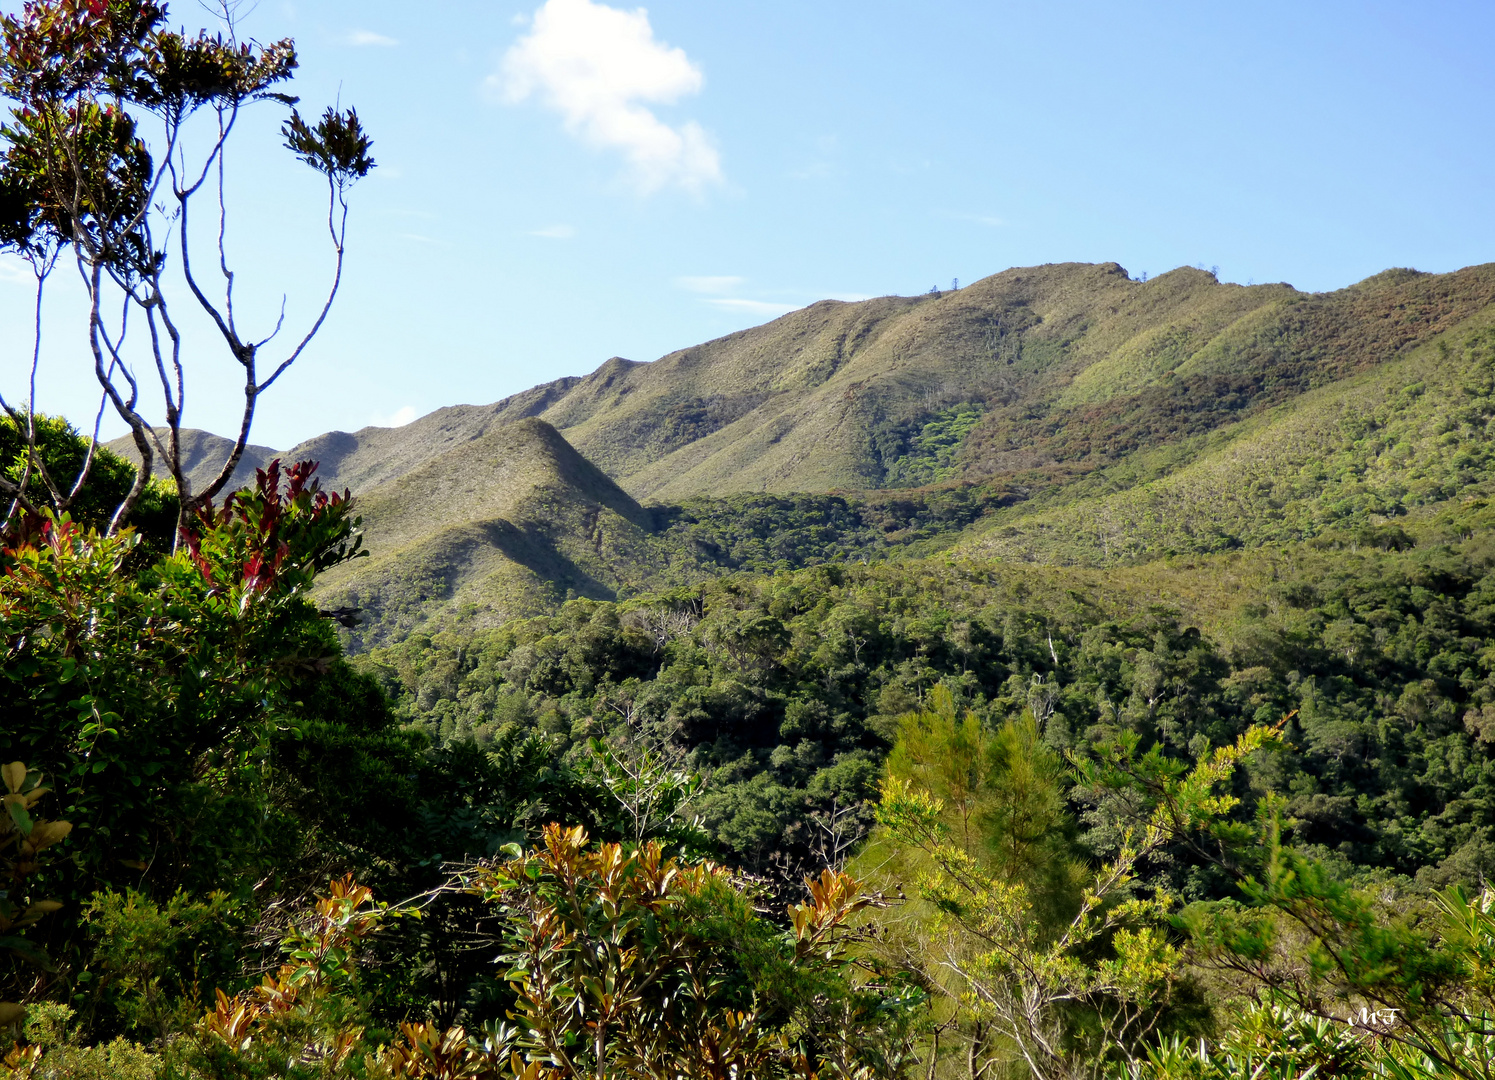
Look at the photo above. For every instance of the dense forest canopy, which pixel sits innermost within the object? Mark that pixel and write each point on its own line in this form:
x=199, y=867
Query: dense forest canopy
x=787, y=688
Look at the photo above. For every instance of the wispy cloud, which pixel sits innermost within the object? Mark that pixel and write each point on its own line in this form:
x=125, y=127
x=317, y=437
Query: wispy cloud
x=598, y=67
x=751, y=307
x=399, y=418
x=363, y=38
x=720, y=284
x=555, y=232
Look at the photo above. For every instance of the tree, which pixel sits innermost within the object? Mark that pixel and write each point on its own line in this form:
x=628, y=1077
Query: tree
x=1417, y=978
x=96, y=169
x=149, y=692
x=622, y=963
x=1340, y=963
x=1039, y=966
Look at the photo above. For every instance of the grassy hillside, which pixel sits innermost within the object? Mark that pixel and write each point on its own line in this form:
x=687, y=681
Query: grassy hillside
x=1405, y=435
x=505, y=525
x=203, y=455
x=517, y=522
x=371, y=456
x=1066, y=369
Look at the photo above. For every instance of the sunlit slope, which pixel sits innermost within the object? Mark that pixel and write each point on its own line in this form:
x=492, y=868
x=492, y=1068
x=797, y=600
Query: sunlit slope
x=1070, y=367
x=1401, y=438
x=203, y=457
x=508, y=524
x=1041, y=375
x=828, y=397
x=363, y=459
x=1162, y=386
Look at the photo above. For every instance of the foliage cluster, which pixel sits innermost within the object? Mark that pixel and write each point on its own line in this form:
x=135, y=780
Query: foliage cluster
x=762, y=533
x=49, y=445
x=214, y=753
x=928, y=455
x=621, y=962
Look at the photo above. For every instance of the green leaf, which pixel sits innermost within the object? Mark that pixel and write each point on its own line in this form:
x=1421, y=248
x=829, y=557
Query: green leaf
x=19, y=815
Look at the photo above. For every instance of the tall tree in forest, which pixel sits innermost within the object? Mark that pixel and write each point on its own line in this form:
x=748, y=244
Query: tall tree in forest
x=1039, y=965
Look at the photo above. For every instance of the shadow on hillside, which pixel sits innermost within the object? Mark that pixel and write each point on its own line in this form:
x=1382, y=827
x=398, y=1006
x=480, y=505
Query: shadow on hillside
x=538, y=554
x=488, y=559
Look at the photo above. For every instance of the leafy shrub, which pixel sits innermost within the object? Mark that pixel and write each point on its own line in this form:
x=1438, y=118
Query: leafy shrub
x=54, y=1054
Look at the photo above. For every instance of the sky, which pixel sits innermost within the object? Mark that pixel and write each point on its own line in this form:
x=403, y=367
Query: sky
x=562, y=182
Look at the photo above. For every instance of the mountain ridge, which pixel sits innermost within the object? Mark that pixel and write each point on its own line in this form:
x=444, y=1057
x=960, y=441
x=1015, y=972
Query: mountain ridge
x=1064, y=413
x=799, y=403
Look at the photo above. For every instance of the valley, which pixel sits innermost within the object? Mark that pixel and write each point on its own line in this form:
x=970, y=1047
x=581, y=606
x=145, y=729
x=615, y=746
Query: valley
x=1078, y=673
x=1056, y=523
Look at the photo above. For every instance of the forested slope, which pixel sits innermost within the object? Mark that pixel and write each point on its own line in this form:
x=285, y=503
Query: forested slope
x=787, y=688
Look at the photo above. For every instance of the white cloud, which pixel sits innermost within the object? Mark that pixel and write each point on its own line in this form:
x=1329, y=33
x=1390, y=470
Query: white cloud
x=399, y=418
x=368, y=37
x=555, y=232
x=752, y=307
x=598, y=66
x=722, y=284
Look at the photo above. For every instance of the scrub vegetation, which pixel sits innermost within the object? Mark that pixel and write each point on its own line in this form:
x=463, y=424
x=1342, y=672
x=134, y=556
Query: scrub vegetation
x=1062, y=677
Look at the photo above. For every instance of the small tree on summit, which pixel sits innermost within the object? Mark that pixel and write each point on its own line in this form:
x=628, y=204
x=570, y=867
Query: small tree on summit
x=95, y=169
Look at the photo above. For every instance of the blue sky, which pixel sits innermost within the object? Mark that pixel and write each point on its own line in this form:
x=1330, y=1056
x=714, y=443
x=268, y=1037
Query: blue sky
x=564, y=182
